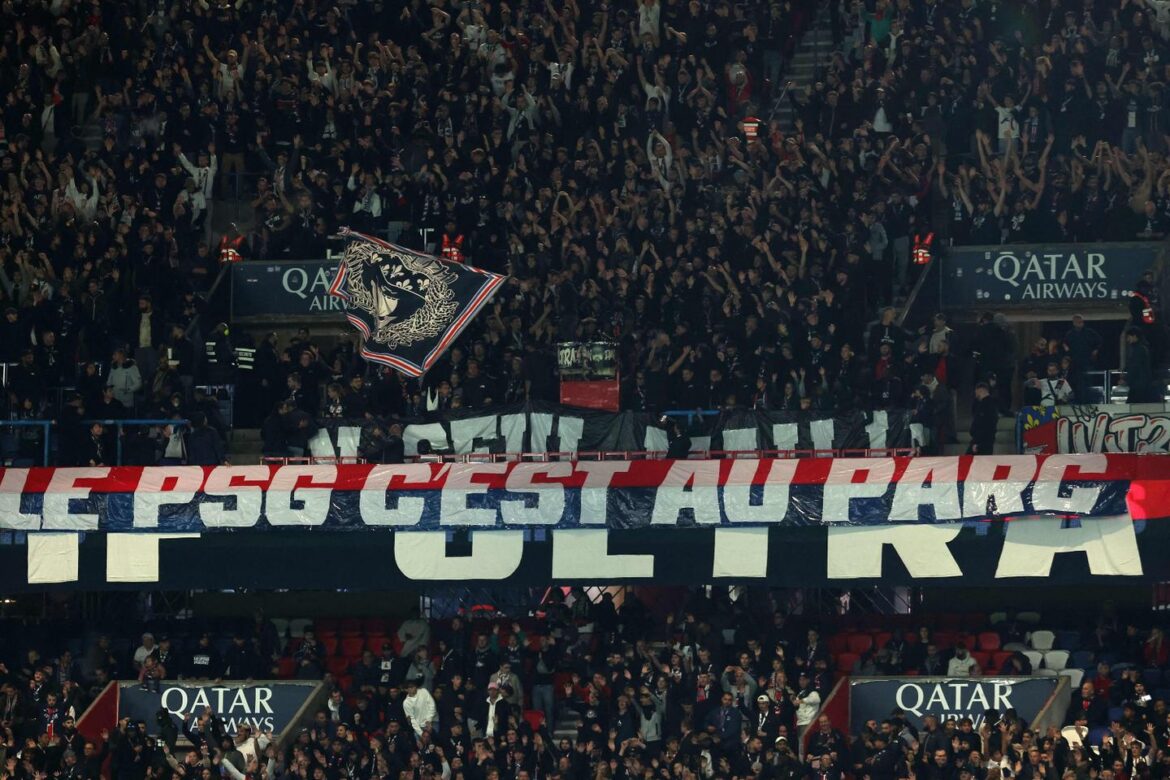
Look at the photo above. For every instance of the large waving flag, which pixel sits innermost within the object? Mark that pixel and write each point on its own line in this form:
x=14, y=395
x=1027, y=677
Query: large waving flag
x=408, y=306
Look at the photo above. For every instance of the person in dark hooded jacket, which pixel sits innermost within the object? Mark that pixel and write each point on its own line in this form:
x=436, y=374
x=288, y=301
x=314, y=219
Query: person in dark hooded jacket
x=1139, y=376
x=204, y=445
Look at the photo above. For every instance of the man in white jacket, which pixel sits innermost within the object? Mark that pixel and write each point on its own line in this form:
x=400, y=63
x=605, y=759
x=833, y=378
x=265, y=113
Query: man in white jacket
x=419, y=707
x=203, y=172
x=808, y=704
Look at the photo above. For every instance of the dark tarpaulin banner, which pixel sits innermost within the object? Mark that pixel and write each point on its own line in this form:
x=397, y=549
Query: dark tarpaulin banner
x=263, y=705
x=408, y=307
x=546, y=427
x=874, y=698
x=615, y=494
x=1023, y=553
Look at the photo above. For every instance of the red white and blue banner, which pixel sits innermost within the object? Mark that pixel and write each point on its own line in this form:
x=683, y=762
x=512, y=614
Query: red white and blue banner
x=1143, y=429
x=1013, y=519
x=408, y=307
x=614, y=494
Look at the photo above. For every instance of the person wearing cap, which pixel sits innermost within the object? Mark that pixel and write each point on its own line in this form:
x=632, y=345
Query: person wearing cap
x=807, y=701
x=419, y=706
x=883, y=763
x=765, y=720
x=146, y=649
x=493, y=712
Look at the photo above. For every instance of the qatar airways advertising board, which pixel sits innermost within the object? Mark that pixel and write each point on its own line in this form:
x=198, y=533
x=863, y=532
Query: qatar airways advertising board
x=1030, y=275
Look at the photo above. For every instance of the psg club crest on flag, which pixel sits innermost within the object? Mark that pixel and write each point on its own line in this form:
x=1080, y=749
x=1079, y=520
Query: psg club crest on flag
x=409, y=307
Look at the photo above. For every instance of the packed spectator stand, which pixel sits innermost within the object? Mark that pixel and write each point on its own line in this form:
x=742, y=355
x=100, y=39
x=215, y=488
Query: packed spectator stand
x=584, y=689
x=631, y=166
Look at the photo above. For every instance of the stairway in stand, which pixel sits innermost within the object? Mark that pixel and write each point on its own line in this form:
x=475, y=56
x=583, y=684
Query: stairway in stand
x=812, y=54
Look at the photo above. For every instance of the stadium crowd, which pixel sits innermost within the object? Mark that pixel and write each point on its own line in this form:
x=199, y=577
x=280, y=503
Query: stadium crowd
x=616, y=159
x=588, y=690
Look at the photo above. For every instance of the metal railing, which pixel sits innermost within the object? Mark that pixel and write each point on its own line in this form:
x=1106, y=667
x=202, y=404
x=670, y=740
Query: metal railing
x=121, y=425
x=49, y=436
x=227, y=405
x=1105, y=386
x=8, y=450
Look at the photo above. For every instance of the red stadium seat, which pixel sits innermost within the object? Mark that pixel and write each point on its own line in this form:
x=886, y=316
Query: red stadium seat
x=983, y=658
x=838, y=643
x=845, y=662
x=999, y=658
x=337, y=665
x=350, y=627
x=352, y=646
x=374, y=643
x=881, y=638
x=860, y=643
x=534, y=718
x=330, y=644
x=374, y=625
x=287, y=668
x=989, y=640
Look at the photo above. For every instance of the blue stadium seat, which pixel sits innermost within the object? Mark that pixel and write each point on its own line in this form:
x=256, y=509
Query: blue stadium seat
x=1116, y=713
x=1096, y=734
x=1068, y=640
x=1152, y=677
x=1082, y=659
